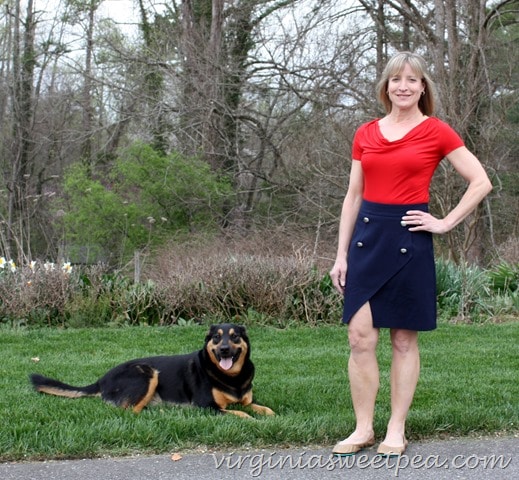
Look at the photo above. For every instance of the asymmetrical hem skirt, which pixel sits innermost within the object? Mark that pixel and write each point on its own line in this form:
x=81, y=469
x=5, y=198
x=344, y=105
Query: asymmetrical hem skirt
x=391, y=268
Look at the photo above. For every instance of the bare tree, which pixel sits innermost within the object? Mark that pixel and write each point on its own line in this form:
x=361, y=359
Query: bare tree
x=268, y=92
x=55, y=119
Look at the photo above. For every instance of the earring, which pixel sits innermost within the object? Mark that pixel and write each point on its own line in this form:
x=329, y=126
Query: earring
x=423, y=93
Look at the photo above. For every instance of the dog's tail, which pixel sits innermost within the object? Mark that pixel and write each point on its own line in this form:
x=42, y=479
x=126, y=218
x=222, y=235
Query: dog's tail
x=55, y=387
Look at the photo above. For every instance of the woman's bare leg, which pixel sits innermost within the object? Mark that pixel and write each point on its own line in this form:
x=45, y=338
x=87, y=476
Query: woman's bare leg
x=405, y=370
x=363, y=373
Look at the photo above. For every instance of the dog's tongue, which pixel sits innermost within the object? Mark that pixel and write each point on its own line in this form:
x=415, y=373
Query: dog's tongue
x=226, y=363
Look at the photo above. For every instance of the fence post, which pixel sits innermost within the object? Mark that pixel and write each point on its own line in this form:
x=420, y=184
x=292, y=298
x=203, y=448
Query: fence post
x=137, y=266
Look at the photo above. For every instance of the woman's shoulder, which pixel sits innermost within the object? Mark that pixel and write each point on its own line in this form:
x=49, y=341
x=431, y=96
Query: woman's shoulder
x=366, y=126
x=369, y=123
x=444, y=132
x=438, y=123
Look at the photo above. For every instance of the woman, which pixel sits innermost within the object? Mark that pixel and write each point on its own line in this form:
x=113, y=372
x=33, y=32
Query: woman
x=385, y=264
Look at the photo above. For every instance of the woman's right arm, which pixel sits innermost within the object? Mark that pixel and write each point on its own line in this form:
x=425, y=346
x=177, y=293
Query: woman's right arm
x=350, y=210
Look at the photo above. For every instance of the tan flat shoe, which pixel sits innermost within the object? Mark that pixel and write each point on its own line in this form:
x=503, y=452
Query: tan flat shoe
x=388, y=451
x=343, y=448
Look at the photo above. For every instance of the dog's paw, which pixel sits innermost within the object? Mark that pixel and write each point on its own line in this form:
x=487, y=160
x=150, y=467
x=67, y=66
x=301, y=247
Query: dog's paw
x=260, y=409
x=238, y=413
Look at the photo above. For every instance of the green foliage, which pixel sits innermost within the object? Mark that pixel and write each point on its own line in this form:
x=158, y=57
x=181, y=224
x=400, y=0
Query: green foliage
x=505, y=277
x=471, y=294
x=145, y=198
x=97, y=221
x=182, y=192
x=135, y=303
x=463, y=291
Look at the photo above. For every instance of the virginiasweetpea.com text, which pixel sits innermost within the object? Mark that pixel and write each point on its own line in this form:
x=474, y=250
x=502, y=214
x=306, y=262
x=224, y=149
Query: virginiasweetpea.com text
x=257, y=463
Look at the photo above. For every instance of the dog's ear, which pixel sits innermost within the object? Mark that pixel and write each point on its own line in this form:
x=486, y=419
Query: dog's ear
x=242, y=331
x=211, y=332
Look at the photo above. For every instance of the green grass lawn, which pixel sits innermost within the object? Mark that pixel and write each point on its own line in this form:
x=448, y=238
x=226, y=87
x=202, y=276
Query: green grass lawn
x=468, y=385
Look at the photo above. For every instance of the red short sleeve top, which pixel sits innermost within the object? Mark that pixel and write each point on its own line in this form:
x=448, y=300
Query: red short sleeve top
x=400, y=172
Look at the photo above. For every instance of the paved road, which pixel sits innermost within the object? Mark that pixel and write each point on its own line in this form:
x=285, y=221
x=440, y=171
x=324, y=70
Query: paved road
x=488, y=458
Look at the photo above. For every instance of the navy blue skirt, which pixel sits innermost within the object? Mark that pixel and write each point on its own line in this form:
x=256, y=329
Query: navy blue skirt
x=392, y=269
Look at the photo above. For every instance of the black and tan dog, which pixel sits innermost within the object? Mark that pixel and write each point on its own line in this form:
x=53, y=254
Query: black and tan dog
x=214, y=377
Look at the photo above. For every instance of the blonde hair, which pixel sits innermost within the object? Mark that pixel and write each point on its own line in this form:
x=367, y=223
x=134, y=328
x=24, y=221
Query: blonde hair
x=395, y=65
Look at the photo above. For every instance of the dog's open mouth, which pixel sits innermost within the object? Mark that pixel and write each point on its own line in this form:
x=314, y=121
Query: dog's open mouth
x=226, y=363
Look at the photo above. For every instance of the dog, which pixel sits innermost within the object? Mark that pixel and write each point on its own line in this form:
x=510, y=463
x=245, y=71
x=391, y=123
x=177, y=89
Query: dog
x=218, y=375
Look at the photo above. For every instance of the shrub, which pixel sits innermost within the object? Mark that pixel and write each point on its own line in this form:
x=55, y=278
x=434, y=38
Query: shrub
x=220, y=281
x=145, y=198
x=36, y=295
x=249, y=288
x=504, y=277
x=471, y=294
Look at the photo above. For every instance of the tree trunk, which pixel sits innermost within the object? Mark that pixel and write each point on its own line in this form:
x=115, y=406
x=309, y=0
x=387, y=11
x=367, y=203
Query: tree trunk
x=88, y=108
x=23, y=70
